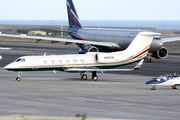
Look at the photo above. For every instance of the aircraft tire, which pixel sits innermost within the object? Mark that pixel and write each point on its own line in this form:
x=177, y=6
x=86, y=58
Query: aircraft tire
x=173, y=87
x=84, y=77
x=18, y=79
x=153, y=88
x=95, y=78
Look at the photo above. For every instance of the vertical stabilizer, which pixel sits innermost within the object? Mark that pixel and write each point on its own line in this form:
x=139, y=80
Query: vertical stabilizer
x=139, y=47
x=72, y=15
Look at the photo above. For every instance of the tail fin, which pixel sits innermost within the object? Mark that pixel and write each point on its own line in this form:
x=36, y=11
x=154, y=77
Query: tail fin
x=140, y=45
x=72, y=15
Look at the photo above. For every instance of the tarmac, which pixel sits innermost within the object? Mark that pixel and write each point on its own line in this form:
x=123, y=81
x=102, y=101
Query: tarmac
x=120, y=95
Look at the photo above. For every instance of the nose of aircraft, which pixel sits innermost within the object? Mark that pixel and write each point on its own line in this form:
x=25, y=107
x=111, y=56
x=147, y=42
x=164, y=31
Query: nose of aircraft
x=156, y=45
x=153, y=81
x=9, y=66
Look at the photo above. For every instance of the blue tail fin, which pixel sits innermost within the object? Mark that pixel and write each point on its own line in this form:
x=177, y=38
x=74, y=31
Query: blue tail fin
x=72, y=15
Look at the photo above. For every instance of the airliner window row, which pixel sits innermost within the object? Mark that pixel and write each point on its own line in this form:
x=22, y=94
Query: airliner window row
x=61, y=62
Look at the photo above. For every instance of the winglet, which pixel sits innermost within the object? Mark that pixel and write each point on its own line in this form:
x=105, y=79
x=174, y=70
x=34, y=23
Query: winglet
x=138, y=66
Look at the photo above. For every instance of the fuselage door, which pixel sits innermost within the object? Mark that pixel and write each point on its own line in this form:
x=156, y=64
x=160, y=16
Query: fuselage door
x=35, y=64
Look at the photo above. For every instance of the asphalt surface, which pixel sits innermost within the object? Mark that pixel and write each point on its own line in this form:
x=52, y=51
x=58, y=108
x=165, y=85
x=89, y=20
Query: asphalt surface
x=116, y=95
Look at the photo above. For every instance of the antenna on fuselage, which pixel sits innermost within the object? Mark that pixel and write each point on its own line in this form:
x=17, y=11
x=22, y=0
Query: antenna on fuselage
x=44, y=54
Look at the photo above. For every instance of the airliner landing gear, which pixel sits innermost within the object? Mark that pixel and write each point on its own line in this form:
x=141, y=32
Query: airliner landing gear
x=153, y=88
x=83, y=76
x=148, y=58
x=94, y=76
x=18, y=76
x=174, y=87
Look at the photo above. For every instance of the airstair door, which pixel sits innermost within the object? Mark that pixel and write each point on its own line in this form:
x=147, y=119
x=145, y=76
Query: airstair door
x=35, y=64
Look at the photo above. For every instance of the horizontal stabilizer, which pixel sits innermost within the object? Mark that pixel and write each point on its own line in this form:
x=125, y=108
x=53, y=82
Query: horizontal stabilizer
x=105, y=70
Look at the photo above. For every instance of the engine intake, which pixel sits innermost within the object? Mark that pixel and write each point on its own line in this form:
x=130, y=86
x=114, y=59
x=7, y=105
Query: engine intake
x=88, y=49
x=161, y=54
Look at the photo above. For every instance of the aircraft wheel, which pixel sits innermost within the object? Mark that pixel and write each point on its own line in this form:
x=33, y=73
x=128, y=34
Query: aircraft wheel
x=84, y=77
x=95, y=78
x=153, y=88
x=173, y=87
x=18, y=79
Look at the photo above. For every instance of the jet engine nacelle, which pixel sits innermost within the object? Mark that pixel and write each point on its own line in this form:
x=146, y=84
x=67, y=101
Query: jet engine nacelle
x=88, y=49
x=160, y=54
x=109, y=58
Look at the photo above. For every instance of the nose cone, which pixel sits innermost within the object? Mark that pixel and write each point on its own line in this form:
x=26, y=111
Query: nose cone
x=9, y=66
x=156, y=45
x=153, y=81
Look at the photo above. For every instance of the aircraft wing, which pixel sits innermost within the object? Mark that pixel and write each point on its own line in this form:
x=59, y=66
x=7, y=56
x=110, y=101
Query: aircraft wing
x=66, y=40
x=164, y=40
x=105, y=70
x=54, y=29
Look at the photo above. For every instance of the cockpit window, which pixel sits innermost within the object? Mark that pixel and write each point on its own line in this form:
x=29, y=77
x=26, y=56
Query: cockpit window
x=23, y=60
x=157, y=38
x=162, y=77
x=19, y=59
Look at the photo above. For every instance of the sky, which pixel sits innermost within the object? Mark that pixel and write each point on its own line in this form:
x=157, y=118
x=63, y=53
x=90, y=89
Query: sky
x=90, y=9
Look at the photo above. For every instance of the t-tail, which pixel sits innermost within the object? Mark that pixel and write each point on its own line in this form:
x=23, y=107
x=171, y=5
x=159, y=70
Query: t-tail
x=74, y=21
x=139, y=47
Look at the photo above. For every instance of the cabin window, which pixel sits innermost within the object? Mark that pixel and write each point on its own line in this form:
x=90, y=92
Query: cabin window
x=60, y=62
x=52, y=62
x=74, y=61
x=67, y=61
x=45, y=62
x=81, y=61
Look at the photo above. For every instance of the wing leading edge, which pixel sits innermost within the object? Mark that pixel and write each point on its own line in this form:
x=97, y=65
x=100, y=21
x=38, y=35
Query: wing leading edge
x=165, y=40
x=105, y=44
x=105, y=70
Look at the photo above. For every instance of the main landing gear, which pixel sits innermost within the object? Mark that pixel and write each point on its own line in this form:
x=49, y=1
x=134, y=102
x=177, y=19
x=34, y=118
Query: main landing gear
x=148, y=58
x=84, y=76
x=174, y=87
x=18, y=76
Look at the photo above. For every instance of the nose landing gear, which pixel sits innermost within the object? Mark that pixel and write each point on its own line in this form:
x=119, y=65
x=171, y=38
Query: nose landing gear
x=18, y=76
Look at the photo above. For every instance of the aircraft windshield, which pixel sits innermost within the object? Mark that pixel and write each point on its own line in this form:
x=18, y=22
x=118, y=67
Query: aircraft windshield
x=162, y=77
x=20, y=60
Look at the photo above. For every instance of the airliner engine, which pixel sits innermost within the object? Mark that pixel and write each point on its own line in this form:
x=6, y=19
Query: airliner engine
x=160, y=54
x=88, y=49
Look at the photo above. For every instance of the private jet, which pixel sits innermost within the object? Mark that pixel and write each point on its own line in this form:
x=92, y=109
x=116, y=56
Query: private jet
x=168, y=80
x=89, y=62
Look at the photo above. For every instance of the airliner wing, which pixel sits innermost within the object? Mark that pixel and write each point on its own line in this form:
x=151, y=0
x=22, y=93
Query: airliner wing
x=105, y=44
x=54, y=29
x=164, y=40
x=105, y=70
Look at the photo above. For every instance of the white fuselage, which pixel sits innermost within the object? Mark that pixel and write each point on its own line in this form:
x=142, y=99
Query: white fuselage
x=62, y=62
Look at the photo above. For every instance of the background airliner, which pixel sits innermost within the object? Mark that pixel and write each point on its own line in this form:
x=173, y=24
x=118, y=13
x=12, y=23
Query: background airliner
x=103, y=40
